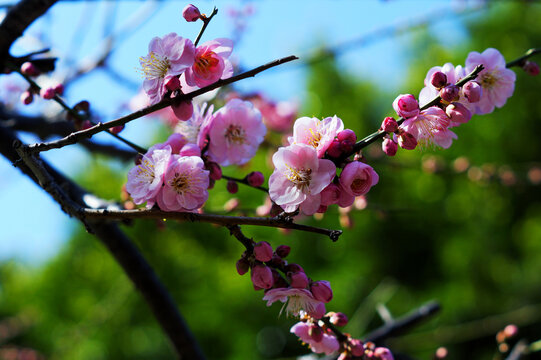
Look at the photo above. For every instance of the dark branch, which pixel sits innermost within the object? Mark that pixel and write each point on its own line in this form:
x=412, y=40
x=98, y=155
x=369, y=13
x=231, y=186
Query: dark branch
x=206, y=21
x=521, y=60
x=245, y=182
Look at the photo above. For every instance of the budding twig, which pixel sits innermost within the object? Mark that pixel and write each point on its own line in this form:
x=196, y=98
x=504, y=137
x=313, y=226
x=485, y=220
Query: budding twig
x=521, y=60
x=245, y=182
x=206, y=21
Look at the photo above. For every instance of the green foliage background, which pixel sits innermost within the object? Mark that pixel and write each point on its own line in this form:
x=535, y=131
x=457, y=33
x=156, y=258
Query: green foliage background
x=429, y=232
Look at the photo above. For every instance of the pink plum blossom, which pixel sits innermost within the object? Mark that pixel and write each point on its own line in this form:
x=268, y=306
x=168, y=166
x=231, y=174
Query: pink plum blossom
x=497, y=81
x=406, y=106
x=294, y=300
x=191, y=13
x=145, y=180
x=195, y=129
x=261, y=276
x=167, y=57
x=430, y=127
x=453, y=75
x=357, y=178
x=185, y=184
x=277, y=116
x=317, y=133
x=211, y=63
x=328, y=343
x=321, y=290
x=299, y=177
x=235, y=132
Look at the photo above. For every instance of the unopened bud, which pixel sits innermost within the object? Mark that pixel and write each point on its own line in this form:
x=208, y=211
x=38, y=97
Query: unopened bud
x=438, y=79
x=294, y=268
x=389, y=124
x=47, y=93
x=298, y=280
x=450, y=93
x=212, y=182
x=339, y=319
x=172, y=84
x=407, y=141
x=263, y=251
x=318, y=312
x=472, y=91
x=262, y=276
x=82, y=106
x=116, y=129
x=357, y=347
x=30, y=69
x=232, y=187
x=242, y=266
x=334, y=150
x=406, y=106
x=283, y=251
x=389, y=147
x=191, y=13
x=381, y=353
x=215, y=170
x=321, y=290
x=315, y=332
x=531, y=68
x=27, y=97
x=59, y=89
x=183, y=110
x=255, y=178
x=458, y=113
x=347, y=135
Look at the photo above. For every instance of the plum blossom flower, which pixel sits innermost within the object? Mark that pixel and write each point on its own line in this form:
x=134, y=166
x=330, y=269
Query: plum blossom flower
x=357, y=178
x=195, y=129
x=167, y=57
x=497, y=81
x=453, y=74
x=328, y=343
x=430, y=127
x=406, y=106
x=317, y=133
x=235, y=132
x=185, y=184
x=294, y=300
x=211, y=63
x=145, y=180
x=299, y=177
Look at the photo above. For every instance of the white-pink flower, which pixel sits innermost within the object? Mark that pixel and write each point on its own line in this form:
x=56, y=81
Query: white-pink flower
x=235, y=132
x=497, y=81
x=430, y=127
x=211, y=63
x=167, y=57
x=145, y=180
x=294, y=300
x=317, y=133
x=357, y=178
x=328, y=344
x=299, y=177
x=185, y=184
x=195, y=129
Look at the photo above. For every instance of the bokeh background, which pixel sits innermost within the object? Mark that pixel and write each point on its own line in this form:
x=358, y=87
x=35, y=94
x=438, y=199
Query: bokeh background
x=460, y=226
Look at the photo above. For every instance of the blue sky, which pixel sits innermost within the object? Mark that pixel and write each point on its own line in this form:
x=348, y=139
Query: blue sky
x=34, y=227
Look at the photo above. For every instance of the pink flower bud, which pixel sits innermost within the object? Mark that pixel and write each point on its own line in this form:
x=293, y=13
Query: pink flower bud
x=277, y=261
x=450, y=93
x=82, y=106
x=116, y=129
x=339, y=319
x=321, y=290
x=315, y=332
x=322, y=209
x=298, y=280
x=334, y=150
x=27, y=97
x=215, y=170
x=59, y=89
x=184, y=110
x=330, y=195
x=458, y=113
x=173, y=83
x=190, y=150
x=191, y=13
x=279, y=281
x=381, y=353
x=255, y=178
x=389, y=147
x=30, y=69
x=531, y=68
x=472, y=91
x=357, y=178
x=47, y=93
x=406, y=106
x=232, y=187
x=318, y=312
x=263, y=251
x=438, y=79
x=389, y=124
x=347, y=135
x=406, y=140
x=357, y=347
x=283, y=251
x=294, y=268
x=242, y=266
x=262, y=276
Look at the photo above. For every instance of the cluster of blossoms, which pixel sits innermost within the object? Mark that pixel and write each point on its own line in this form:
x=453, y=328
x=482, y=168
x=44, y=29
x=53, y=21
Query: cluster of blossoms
x=431, y=126
x=176, y=174
x=305, y=171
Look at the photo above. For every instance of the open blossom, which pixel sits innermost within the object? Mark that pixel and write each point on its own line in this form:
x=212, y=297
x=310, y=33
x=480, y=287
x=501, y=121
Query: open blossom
x=357, y=178
x=317, y=133
x=167, y=57
x=211, y=63
x=497, y=81
x=145, y=180
x=430, y=127
x=299, y=177
x=235, y=132
x=185, y=184
x=294, y=300
x=195, y=129
x=328, y=344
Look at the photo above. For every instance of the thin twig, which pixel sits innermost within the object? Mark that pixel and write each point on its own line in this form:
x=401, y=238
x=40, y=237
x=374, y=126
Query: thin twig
x=224, y=220
x=521, y=60
x=245, y=182
x=76, y=136
x=235, y=231
x=206, y=21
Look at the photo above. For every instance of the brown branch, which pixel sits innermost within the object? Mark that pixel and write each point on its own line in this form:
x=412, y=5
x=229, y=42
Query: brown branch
x=245, y=182
x=223, y=220
x=521, y=60
x=76, y=136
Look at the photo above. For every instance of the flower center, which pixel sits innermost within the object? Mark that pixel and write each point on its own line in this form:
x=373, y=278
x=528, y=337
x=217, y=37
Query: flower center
x=145, y=171
x=154, y=66
x=180, y=183
x=235, y=135
x=206, y=63
x=300, y=177
x=358, y=183
x=488, y=79
x=314, y=138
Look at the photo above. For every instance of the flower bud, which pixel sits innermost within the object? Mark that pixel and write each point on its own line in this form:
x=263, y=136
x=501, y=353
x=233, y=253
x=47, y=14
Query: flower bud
x=531, y=68
x=116, y=129
x=59, y=89
x=47, y=93
x=318, y=312
x=389, y=124
x=82, y=106
x=472, y=91
x=262, y=276
x=255, y=178
x=347, y=135
x=357, y=347
x=334, y=150
x=191, y=13
x=321, y=290
x=283, y=251
x=279, y=281
x=27, y=97
x=406, y=106
x=242, y=266
x=330, y=194
x=381, y=353
x=339, y=319
x=450, y=93
x=458, y=113
x=406, y=140
x=190, y=150
x=294, y=268
x=30, y=69
x=438, y=79
x=322, y=209
x=263, y=251
x=298, y=280
x=232, y=187
x=389, y=147
x=315, y=332
x=183, y=110
x=173, y=83
x=215, y=170
x=277, y=261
